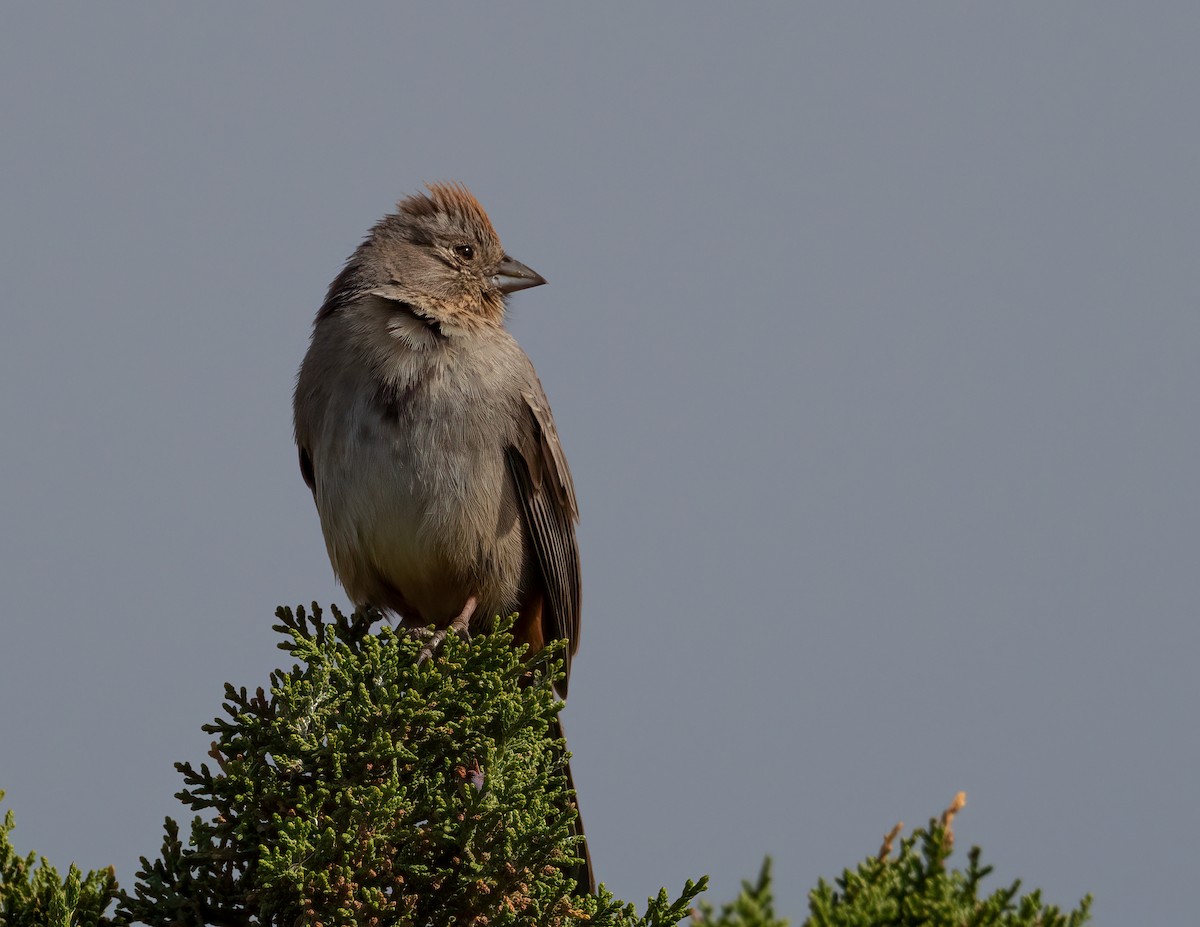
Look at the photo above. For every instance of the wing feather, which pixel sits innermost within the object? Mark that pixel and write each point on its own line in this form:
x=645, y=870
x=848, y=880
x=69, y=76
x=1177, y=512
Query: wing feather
x=547, y=500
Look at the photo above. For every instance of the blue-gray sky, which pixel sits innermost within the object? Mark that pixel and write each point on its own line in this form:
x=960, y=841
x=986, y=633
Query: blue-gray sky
x=872, y=334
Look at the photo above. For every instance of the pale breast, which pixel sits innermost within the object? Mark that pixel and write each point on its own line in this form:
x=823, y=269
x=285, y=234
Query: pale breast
x=414, y=493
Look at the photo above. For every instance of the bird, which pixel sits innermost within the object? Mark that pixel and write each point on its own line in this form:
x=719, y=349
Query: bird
x=425, y=435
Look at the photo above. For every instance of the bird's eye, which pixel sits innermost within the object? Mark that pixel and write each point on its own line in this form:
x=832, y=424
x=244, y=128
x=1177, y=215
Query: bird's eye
x=466, y=252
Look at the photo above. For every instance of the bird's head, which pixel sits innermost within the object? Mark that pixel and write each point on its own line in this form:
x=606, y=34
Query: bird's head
x=439, y=258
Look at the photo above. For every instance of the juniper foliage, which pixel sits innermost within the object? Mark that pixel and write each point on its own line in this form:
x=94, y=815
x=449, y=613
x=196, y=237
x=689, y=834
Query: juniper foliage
x=33, y=895
x=916, y=889
x=365, y=789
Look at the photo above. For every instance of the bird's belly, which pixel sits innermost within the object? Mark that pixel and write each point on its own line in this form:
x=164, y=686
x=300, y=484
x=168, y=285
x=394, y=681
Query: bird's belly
x=420, y=532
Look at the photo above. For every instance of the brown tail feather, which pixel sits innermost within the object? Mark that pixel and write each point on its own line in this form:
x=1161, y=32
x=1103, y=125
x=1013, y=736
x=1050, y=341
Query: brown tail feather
x=584, y=877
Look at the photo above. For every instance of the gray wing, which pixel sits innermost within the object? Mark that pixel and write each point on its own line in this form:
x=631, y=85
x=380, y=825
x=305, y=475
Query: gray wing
x=547, y=499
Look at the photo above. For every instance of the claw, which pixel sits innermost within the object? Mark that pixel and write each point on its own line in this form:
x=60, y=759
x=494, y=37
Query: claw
x=460, y=626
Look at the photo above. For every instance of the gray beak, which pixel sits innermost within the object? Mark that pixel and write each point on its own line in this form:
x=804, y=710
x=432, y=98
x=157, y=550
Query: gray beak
x=513, y=275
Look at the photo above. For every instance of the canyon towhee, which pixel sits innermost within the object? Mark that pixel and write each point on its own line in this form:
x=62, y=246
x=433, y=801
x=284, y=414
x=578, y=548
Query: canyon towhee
x=427, y=440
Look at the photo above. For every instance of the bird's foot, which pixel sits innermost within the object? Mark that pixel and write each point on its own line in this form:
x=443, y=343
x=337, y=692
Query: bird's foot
x=461, y=626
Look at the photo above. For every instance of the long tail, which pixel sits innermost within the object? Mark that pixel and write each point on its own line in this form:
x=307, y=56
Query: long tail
x=584, y=878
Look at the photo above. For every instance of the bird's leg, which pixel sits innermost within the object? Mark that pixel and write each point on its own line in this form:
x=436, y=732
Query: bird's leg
x=364, y=616
x=460, y=626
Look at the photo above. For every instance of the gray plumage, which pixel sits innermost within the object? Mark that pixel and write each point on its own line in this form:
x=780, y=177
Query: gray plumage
x=426, y=437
